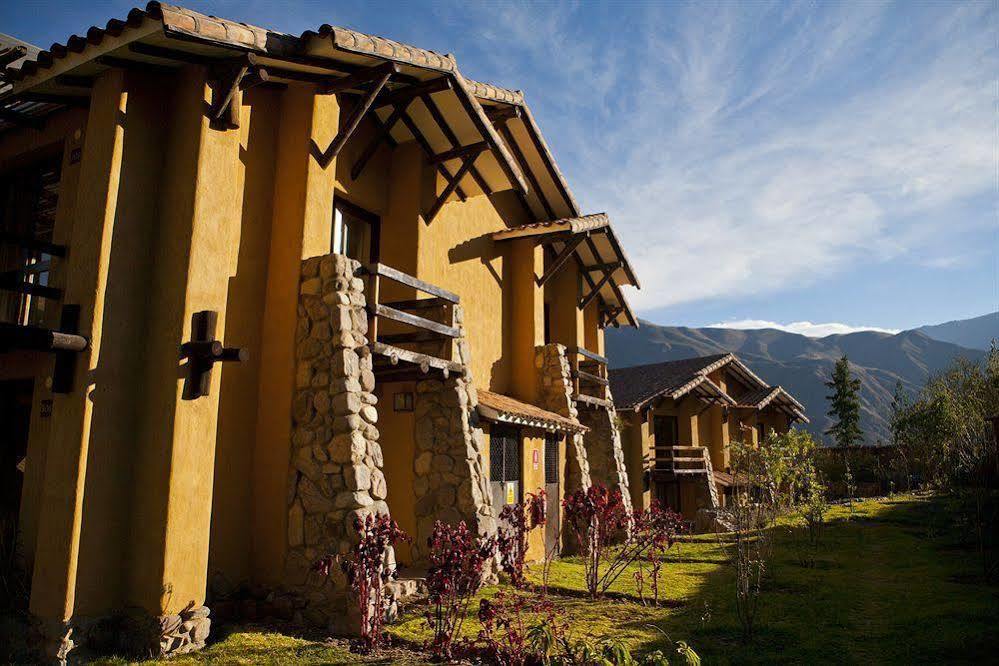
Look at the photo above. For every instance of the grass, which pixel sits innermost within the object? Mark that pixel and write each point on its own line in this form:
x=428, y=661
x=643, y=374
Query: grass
x=893, y=584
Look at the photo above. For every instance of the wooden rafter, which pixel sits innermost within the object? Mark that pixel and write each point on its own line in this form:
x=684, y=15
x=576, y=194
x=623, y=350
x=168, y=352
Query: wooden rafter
x=561, y=259
x=617, y=290
x=340, y=140
x=502, y=114
x=525, y=167
x=373, y=75
x=466, y=164
x=402, y=95
x=459, y=153
x=451, y=137
x=596, y=289
x=226, y=98
x=429, y=151
x=21, y=119
x=383, y=133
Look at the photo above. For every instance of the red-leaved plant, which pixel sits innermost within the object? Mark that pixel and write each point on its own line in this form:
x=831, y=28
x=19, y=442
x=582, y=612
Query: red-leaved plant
x=458, y=560
x=594, y=514
x=366, y=572
x=505, y=633
x=656, y=527
x=517, y=521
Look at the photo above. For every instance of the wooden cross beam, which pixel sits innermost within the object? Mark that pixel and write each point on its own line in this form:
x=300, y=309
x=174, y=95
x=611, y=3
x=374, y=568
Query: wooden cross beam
x=203, y=352
x=561, y=259
x=596, y=289
x=226, y=98
x=459, y=153
x=340, y=140
x=382, y=134
x=525, y=167
x=466, y=164
x=405, y=95
x=21, y=119
x=378, y=73
x=429, y=151
x=502, y=114
x=451, y=137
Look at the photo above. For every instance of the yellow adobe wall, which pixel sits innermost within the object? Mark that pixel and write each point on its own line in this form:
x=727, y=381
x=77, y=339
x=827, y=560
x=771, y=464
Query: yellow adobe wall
x=636, y=439
x=398, y=449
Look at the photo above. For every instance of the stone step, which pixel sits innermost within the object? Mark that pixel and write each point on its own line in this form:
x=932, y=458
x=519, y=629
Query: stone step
x=404, y=588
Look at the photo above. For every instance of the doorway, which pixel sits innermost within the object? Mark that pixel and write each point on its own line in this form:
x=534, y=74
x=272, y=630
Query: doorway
x=552, y=493
x=504, y=466
x=15, y=415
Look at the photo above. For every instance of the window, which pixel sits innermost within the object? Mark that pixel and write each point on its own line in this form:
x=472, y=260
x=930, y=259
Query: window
x=504, y=454
x=403, y=402
x=665, y=430
x=355, y=232
x=551, y=458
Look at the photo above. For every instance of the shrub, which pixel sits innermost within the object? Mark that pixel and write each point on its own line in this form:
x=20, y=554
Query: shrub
x=506, y=635
x=517, y=521
x=594, y=514
x=366, y=572
x=458, y=561
x=656, y=527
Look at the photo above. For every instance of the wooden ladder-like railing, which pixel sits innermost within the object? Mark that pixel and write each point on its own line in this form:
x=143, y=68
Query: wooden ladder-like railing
x=687, y=460
x=589, y=377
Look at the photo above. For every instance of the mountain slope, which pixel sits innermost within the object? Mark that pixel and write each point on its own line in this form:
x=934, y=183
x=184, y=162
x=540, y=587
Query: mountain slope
x=802, y=364
x=976, y=333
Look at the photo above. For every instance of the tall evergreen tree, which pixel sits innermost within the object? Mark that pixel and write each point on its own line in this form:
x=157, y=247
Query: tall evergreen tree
x=844, y=405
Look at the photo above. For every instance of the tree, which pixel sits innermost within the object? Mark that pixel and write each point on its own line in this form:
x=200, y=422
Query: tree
x=844, y=405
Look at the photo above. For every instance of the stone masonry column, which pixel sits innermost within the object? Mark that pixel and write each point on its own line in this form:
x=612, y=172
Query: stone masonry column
x=603, y=449
x=556, y=396
x=335, y=473
x=449, y=483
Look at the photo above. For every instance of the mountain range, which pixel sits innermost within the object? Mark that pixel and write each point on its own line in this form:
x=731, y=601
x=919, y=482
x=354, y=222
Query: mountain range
x=803, y=364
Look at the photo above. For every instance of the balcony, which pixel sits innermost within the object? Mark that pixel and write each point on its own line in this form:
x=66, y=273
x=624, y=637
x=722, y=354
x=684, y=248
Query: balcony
x=681, y=460
x=589, y=377
x=409, y=338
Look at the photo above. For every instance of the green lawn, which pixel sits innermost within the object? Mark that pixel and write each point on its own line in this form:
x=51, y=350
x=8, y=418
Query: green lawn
x=893, y=584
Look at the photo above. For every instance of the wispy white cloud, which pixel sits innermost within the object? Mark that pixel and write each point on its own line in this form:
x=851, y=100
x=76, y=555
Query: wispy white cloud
x=805, y=328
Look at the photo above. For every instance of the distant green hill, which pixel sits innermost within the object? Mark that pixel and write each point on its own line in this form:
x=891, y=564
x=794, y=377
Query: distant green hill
x=801, y=364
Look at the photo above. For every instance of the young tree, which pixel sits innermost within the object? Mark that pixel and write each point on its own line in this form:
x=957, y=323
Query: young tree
x=844, y=405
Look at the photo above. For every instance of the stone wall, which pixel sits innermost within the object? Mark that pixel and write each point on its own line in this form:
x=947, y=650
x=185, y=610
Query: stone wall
x=556, y=396
x=603, y=449
x=336, y=461
x=450, y=484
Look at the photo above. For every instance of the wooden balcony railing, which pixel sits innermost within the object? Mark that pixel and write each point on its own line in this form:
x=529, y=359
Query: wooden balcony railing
x=589, y=377
x=681, y=459
x=25, y=265
x=410, y=337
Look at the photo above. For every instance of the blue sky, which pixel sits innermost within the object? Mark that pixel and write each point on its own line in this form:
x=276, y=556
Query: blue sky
x=779, y=162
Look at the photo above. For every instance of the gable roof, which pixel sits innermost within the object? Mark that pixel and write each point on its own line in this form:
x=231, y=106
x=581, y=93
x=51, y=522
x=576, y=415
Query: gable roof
x=637, y=386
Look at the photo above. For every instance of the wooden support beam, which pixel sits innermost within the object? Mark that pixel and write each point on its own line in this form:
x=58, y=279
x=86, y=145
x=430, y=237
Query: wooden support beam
x=502, y=114
x=384, y=131
x=29, y=243
x=126, y=63
x=36, y=338
x=66, y=99
x=75, y=81
x=377, y=75
x=460, y=153
x=340, y=140
x=416, y=358
x=518, y=154
x=12, y=53
x=466, y=164
x=603, y=268
x=14, y=281
x=225, y=97
x=406, y=95
x=595, y=290
x=451, y=137
x=561, y=259
x=21, y=120
x=429, y=151
x=173, y=54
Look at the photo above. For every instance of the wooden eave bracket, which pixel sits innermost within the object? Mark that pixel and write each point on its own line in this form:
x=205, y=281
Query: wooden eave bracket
x=608, y=270
x=562, y=259
x=203, y=352
x=378, y=76
x=467, y=155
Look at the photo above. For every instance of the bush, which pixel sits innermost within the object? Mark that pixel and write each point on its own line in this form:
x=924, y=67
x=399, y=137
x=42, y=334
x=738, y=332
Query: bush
x=517, y=521
x=458, y=561
x=366, y=572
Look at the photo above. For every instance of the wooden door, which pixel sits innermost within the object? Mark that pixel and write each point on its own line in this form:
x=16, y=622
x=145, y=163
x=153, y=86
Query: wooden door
x=553, y=467
x=504, y=466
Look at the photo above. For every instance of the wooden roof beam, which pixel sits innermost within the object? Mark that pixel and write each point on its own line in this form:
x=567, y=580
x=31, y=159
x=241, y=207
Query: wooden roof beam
x=377, y=76
x=595, y=290
x=502, y=114
x=466, y=164
x=561, y=259
x=525, y=167
x=383, y=133
x=340, y=140
x=401, y=95
x=429, y=151
x=452, y=138
x=20, y=119
x=460, y=153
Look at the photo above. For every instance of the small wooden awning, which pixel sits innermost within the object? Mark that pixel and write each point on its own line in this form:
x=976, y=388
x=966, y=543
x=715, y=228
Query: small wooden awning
x=504, y=409
x=590, y=241
x=703, y=388
x=778, y=398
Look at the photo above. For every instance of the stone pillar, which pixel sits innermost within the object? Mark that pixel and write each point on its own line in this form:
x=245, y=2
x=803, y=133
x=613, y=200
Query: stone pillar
x=556, y=396
x=603, y=449
x=449, y=483
x=335, y=473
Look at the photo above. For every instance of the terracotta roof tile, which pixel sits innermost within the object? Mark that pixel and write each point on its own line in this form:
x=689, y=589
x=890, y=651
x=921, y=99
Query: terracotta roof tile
x=633, y=387
x=516, y=411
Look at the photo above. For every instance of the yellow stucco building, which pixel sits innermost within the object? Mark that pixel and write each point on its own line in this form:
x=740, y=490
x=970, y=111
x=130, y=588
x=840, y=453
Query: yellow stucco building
x=257, y=284
x=678, y=420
